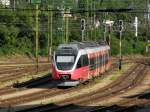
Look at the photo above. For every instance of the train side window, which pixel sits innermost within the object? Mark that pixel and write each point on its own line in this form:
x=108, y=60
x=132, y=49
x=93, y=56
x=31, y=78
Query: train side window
x=92, y=61
x=104, y=58
x=97, y=61
x=101, y=60
x=83, y=61
x=108, y=54
x=107, y=57
x=79, y=65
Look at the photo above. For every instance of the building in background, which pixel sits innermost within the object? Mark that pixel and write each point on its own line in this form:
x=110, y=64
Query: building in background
x=14, y=3
x=5, y=2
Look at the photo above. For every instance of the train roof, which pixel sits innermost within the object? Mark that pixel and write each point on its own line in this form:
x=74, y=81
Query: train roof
x=74, y=47
x=83, y=45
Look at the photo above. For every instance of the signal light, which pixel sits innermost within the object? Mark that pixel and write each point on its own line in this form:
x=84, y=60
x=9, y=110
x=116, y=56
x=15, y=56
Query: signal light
x=120, y=25
x=82, y=24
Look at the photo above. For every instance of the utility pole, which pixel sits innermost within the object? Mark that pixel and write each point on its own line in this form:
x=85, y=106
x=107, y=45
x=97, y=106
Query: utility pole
x=108, y=27
x=37, y=34
x=147, y=24
x=94, y=20
x=62, y=9
x=136, y=27
x=62, y=26
x=120, y=43
x=67, y=25
x=87, y=8
x=67, y=32
x=105, y=26
x=14, y=4
x=105, y=30
x=91, y=23
x=37, y=2
x=136, y=30
x=48, y=35
x=50, y=32
x=82, y=28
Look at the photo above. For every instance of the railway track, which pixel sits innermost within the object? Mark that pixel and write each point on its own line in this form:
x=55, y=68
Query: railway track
x=100, y=98
x=22, y=64
x=131, y=79
x=39, y=94
x=8, y=70
x=22, y=73
x=23, y=86
x=17, y=73
x=135, y=104
x=54, y=92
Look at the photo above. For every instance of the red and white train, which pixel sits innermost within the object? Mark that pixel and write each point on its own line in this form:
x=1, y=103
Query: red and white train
x=77, y=62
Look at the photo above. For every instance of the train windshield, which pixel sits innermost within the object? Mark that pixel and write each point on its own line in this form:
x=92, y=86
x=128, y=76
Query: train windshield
x=65, y=62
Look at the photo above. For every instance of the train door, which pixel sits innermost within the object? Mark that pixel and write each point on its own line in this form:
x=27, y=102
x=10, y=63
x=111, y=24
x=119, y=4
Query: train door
x=92, y=65
x=103, y=62
x=83, y=66
x=98, y=58
x=97, y=63
x=100, y=62
x=89, y=74
x=107, y=60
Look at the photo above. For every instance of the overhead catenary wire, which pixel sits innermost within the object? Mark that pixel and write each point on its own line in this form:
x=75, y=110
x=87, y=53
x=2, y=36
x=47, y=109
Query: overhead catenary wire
x=112, y=10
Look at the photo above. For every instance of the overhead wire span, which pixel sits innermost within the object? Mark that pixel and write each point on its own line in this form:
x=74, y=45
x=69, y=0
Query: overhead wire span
x=112, y=10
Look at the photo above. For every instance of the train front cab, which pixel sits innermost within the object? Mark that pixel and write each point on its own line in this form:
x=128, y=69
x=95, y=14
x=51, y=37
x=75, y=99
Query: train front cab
x=78, y=75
